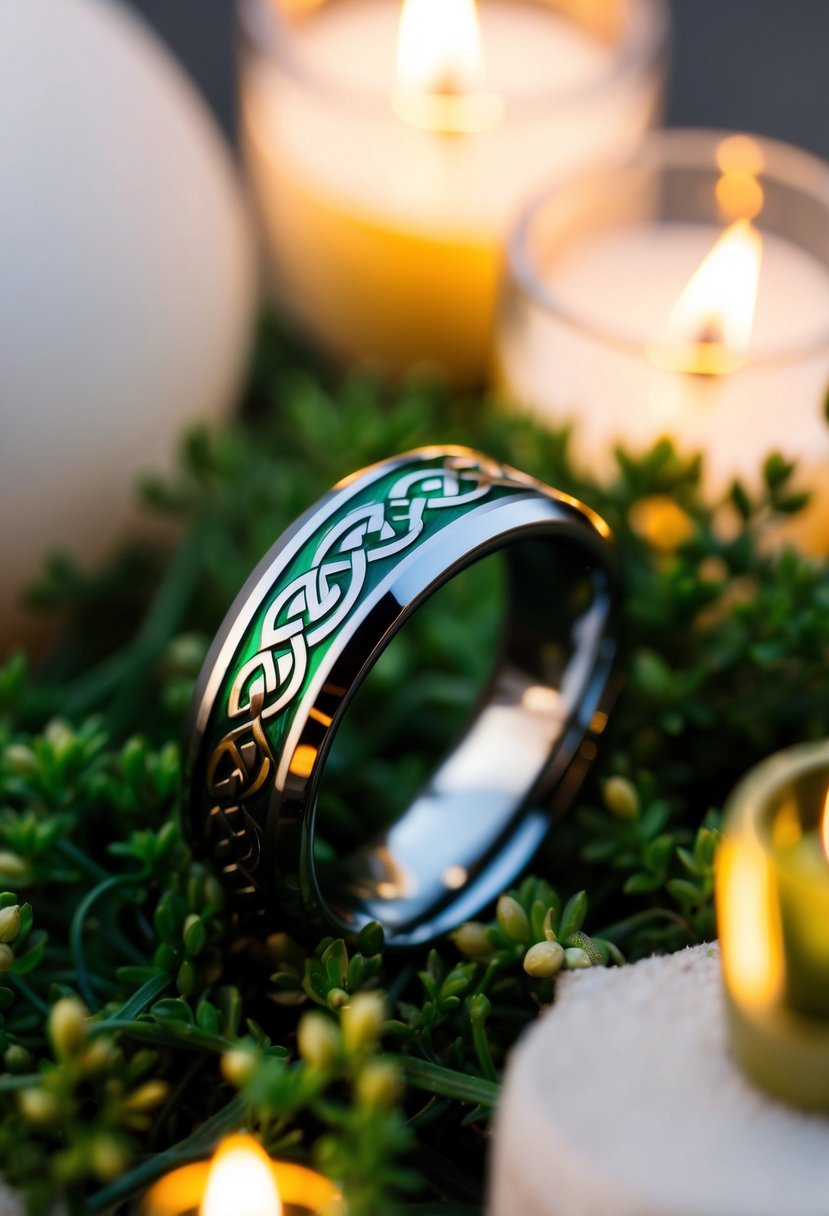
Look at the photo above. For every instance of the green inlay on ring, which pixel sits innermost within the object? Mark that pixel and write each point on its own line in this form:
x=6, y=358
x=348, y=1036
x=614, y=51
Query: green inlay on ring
x=324, y=583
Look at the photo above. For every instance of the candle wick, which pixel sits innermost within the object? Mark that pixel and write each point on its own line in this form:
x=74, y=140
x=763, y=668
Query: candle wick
x=446, y=84
x=712, y=333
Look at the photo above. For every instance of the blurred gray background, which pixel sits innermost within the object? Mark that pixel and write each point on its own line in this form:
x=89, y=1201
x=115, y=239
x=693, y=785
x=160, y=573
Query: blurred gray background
x=753, y=65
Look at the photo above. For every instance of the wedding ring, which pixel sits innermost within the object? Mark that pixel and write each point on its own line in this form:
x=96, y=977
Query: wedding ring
x=302, y=636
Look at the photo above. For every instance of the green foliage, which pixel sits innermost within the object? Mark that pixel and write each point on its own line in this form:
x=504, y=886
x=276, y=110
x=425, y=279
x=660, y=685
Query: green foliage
x=139, y=1024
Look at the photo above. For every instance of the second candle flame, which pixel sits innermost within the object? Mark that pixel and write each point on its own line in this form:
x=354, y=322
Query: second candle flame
x=715, y=312
x=710, y=326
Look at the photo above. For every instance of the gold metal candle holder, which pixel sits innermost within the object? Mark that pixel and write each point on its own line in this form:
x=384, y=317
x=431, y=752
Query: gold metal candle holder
x=773, y=910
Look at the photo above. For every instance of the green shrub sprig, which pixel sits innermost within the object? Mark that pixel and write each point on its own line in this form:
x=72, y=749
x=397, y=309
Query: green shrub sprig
x=140, y=1023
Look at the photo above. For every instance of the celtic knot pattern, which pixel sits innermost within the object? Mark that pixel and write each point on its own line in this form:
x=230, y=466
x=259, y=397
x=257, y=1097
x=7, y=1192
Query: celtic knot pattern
x=309, y=609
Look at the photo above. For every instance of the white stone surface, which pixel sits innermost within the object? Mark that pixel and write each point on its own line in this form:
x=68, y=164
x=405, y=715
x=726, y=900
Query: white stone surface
x=623, y=1101
x=10, y=1205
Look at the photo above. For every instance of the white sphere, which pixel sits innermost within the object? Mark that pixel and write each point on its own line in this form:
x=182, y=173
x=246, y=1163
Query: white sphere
x=127, y=276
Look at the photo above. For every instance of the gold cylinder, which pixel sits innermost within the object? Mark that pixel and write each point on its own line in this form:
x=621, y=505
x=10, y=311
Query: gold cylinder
x=773, y=912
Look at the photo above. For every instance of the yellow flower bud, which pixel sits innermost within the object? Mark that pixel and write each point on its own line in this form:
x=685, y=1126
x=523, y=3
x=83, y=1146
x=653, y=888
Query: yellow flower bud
x=285, y=953
x=544, y=960
x=108, y=1157
x=661, y=522
x=98, y=1055
x=39, y=1106
x=17, y=1058
x=362, y=1020
x=549, y=932
x=147, y=1097
x=9, y=923
x=238, y=1066
x=379, y=1085
x=67, y=1026
x=714, y=570
x=6, y=957
x=12, y=866
x=61, y=736
x=575, y=959
x=513, y=919
x=319, y=1040
x=472, y=939
x=621, y=798
x=20, y=760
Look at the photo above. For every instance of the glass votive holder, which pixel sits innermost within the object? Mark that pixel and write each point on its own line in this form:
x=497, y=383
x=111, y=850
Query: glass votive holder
x=386, y=158
x=773, y=914
x=683, y=292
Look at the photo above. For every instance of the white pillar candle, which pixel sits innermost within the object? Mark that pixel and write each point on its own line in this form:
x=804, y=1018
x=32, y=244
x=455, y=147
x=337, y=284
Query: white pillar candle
x=594, y=300
x=385, y=211
x=127, y=278
x=623, y=1100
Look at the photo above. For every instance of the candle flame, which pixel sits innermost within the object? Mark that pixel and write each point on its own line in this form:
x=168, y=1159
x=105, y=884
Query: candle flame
x=710, y=325
x=749, y=924
x=787, y=828
x=241, y=1181
x=824, y=827
x=439, y=47
x=441, y=69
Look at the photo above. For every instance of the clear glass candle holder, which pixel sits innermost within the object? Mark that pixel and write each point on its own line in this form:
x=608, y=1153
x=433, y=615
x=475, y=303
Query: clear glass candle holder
x=385, y=204
x=604, y=273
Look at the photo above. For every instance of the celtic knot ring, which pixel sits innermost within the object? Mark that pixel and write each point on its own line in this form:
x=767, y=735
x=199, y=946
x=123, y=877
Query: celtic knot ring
x=303, y=634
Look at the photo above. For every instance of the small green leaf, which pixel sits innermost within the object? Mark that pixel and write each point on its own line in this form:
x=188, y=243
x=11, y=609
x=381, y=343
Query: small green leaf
x=684, y=892
x=195, y=938
x=26, y=963
x=172, y=1010
x=642, y=884
x=776, y=470
x=793, y=504
x=26, y=922
x=740, y=500
x=356, y=973
x=209, y=1018
x=572, y=918
x=370, y=940
x=335, y=962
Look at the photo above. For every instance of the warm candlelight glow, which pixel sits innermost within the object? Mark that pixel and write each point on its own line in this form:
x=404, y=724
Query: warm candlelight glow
x=441, y=68
x=824, y=827
x=241, y=1182
x=709, y=327
x=749, y=928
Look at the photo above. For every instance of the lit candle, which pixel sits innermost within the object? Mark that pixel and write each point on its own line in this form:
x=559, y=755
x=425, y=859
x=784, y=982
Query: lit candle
x=773, y=911
x=241, y=1180
x=388, y=145
x=683, y=294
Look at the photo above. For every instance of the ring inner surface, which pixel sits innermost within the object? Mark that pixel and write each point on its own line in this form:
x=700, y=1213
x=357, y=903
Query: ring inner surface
x=544, y=633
